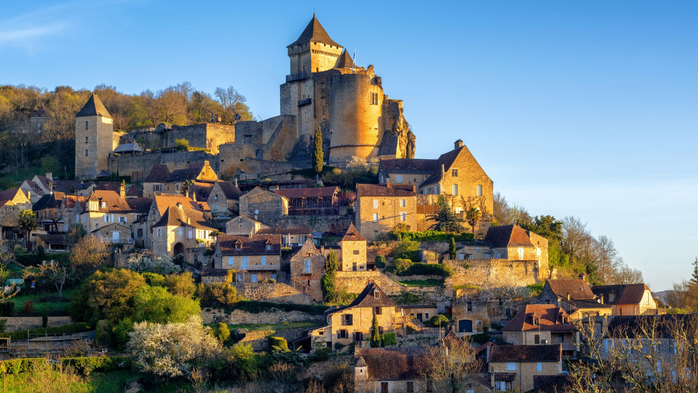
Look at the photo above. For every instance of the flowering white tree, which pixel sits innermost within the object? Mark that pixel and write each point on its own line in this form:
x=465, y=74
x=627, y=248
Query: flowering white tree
x=174, y=349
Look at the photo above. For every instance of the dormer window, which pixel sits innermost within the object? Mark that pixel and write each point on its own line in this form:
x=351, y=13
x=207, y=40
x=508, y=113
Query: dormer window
x=268, y=247
x=104, y=205
x=376, y=294
x=536, y=321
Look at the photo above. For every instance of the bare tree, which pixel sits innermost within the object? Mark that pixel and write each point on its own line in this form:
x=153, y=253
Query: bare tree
x=58, y=275
x=88, y=255
x=451, y=366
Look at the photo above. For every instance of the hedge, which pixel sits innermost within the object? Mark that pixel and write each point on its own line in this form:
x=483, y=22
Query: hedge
x=427, y=269
x=389, y=338
x=257, y=307
x=72, y=328
x=278, y=343
x=84, y=365
x=36, y=259
x=435, y=236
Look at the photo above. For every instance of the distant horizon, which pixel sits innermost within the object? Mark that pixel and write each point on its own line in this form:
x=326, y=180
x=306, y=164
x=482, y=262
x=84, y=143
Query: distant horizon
x=584, y=109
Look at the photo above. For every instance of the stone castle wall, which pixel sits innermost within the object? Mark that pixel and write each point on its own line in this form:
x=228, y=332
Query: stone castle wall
x=207, y=135
x=276, y=293
x=139, y=166
x=479, y=272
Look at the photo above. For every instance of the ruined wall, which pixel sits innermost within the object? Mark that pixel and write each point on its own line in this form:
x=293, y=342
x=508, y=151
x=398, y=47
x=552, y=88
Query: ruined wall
x=336, y=225
x=273, y=316
x=479, y=272
x=24, y=323
x=139, y=166
x=276, y=293
x=207, y=135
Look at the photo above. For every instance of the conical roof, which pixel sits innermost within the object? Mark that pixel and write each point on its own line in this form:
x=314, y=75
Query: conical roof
x=314, y=32
x=93, y=107
x=345, y=61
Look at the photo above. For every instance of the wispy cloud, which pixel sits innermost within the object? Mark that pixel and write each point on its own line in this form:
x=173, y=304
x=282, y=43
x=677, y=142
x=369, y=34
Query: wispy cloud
x=25, y=36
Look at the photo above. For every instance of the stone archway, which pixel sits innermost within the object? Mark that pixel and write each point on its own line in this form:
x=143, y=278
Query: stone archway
x=178, y=249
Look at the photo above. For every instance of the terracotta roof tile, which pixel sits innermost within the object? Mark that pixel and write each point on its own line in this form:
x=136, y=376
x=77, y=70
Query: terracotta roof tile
x=550, y=319
x=352, y=235
x=526, y=353
x=387, y=190
x=284, y=231
x=255, y=245
x=230, y=190
x=577, y=288
x=622, y=294
x=158, y=174
x=372, y=296
x=508, y=236
x=390, y=363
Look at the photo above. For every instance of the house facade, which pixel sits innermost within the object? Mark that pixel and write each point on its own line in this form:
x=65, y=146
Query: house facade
x=515, y=366
x=307, y=267
x=353, y=247
x=254, y=258
x=263, y=206
x=543, y=324
x=380, y=207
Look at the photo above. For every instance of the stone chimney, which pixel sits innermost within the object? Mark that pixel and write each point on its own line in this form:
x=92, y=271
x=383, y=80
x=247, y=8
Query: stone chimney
x=49, y=175
x=193, y=196
x=569, y=297
x=581, y=276
x=179, y=205
x=235, y=181
x=458, y=144
x=122, y=189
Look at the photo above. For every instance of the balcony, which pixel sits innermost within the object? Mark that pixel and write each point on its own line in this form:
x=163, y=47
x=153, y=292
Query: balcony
x=110, y=240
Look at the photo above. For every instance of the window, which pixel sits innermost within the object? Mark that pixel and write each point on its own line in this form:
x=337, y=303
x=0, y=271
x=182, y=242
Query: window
x=159, y=232
x=324, y=109
x=268, y=247
x=377, y=294
x=399, y=178
x=347, y=320
x=380, y=330
x=403, y=216
x=384, y=387
x=375, y=217
x=244, y=263
x=354, y=266
x=374, y=98
x=239, y=277
x=87, y=153
x=190, y=233
x=536, y=322
x=454, y=172
x=231, y=261
x=455, y=190
x=375, y=203
x=536, y=339
x=561, y=338
x=426, y=315
x=307, y=266
x=511, y=366
x=410, y=387
x=403, y=203
x=355, y=252
x=479, y=190
x=157, y=187
x=140, y=232
x=87, y=125
x=342, y=334
x=87, y=139
x=253, y=278
x=264, y=261
x=122, y=220
x=539, y=367
x=378, y=310
x=180, y=231
x=104, y=205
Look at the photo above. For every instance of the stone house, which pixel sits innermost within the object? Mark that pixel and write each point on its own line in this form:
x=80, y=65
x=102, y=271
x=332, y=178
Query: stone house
x=421, y=312
x=290, y=237
x=471, y=316
x=155, y=181
x=224, y=197
x=210, y=276
x=181, y=230
x=50, y=211
x=315, y=201
x=515, y=366
x=543, y=324
x=158, y=207
x=37, y=187
x=12, y=201
x=630, y=299
x=512, y=242
x=254, y=258
x=405, y=170
x=575, y=297
x=263, y=206
x=200, y=172
x=106, y=207
x=353, y=247
x=352, y=323
x=307, y=267
x=380, y=207
x=116, y=236
x=243, y=225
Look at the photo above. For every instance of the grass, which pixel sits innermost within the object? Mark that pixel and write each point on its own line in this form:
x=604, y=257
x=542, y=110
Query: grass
x=464, y=286
x=280, y=326
x=432, y=282
x=49, y=300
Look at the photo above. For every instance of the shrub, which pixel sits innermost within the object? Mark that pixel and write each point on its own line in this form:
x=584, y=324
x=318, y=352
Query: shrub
x=17, y=366
x=435, y=236
x=182, y=144
x=3, y=325
x=389, y=339
x=278, y=344
x=222, y=332
x=28, y=307
x=7, y=309
x=438, y=320
x=103, y=332
x=85, y=365
x=402, y=265
x=380, y=261
x=123, y=328
x=425, y=269
x=407, y=249
x=321, y=354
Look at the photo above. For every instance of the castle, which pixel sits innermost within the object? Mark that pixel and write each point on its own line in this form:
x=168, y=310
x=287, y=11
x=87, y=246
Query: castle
x=324, y=89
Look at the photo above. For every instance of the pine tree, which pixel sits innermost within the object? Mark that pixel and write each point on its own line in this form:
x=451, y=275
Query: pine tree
x=329, y=292
x=694, y=277
x=318, y=155
x=375, y=333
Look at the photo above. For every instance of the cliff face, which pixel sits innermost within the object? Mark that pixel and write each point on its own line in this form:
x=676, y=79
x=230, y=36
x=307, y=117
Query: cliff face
x=398, y=140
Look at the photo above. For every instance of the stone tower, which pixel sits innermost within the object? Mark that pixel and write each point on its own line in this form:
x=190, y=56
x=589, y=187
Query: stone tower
x=93, y=139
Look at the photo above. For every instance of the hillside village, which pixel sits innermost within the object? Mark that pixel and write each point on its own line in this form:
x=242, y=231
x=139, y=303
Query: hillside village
x=401, y=279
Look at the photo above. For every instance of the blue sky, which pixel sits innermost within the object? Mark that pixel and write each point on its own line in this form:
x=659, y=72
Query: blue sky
x=584, y=108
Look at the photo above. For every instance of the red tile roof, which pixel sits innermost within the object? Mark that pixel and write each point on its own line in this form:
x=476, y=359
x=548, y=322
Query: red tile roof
x=254, y=245
x=623, y=294
x=158, y=174
x=387, y=190
x=352, y=235
x=577, y=288
x=549, y=318
x=508, y=236
x=526, y=353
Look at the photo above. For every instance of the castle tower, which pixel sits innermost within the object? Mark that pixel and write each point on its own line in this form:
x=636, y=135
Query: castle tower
x=93, y=139
x=304, y=94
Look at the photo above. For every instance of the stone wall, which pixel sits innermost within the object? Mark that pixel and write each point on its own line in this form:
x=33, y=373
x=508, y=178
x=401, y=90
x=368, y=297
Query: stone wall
x=24, y=323
x=139, y=166
x=334, y=225
x=207, y=135
x=273, y=316
x=479, y=272
x=259, y=339
x=276, y=293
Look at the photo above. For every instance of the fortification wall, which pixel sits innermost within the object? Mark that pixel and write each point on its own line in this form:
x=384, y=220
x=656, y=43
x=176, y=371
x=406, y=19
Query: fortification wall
x=139, y=166
x=207, y=135
x=240, y=317
x=276, y=293
x=494, y=272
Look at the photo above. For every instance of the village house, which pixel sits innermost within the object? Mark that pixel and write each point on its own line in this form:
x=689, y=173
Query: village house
x=379, y=208
x=307, y=266
x=263, y=205
x=243, y=225
x=50, y=211
x=629, y=299
x=224, y=197
x=116, y=236
x=352, y=323
x=12, y=201
x=106, y=207
x=254, y=258
x=575, y=297
x=353, y=247
x=158, y=207
x=155, y=181
x=315, y=201
x=515, y=366
x=543, y=324
x=200, y=172
x=38, y=186
x=180, y=231
x=290, y=237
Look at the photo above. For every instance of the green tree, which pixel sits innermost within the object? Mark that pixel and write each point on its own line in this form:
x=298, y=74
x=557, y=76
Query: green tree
x=155, y=304
x=445, y=220
x=474, y=215
x=182, y=143
x=180, y=284
x=694, y=277
x=329, y=291
x=318, y=155
x=27, y=223
x=222, y=332
x=106, y=295
x=452, y=248
x=375, y=332
x=438, y=320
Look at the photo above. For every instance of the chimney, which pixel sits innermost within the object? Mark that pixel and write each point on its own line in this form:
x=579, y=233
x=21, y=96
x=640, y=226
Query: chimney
x=29, y=195
x=569, y=297
x=179, y=205
x=458, y=144
x=193, y=196
x=581, y=276
x=49, y=175
x=122, y=189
